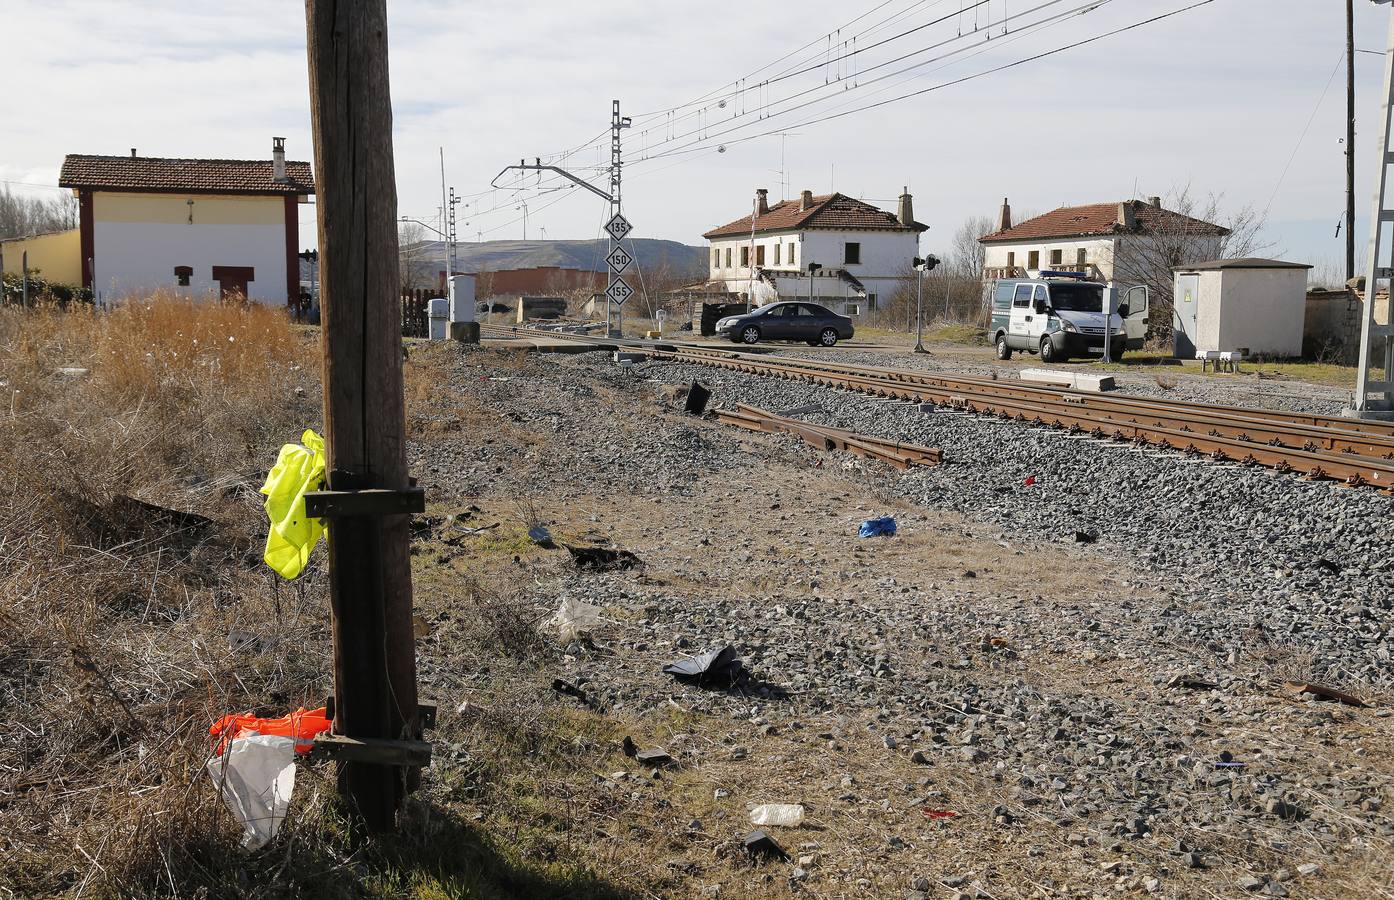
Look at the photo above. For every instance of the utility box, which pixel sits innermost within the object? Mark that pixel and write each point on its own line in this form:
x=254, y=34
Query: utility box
x=438, y=312
x=1255, y=305
x=462, y=302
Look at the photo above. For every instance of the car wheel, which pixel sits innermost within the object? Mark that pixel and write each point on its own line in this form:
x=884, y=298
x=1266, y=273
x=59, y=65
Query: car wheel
x=828, y=337
x=1048, y=352
x=1004, y=350
x=750, y=335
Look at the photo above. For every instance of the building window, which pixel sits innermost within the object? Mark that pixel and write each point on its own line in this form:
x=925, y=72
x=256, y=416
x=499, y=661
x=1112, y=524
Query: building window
x=760, y=255
x=1033, y=259
x=182, y=274
x=728, y=257
x=1011, y=260
x=1081, y=257
x=745, y=257
x=790, y=260
x=716, y=259
x=1056, y=257
x=871, y=301
x=851, y=253
x=778, y=249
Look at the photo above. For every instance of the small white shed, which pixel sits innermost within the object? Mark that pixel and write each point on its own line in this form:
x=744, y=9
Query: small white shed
x=1257, y=305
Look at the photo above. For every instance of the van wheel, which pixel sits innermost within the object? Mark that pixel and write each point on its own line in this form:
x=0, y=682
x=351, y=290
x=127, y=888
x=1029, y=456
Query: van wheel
x=1048, y=353
x=1003, y=350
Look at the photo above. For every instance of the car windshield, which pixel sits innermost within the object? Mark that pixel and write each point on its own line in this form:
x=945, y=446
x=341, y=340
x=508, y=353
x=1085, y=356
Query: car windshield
x=1077, y=297
x=763, y=309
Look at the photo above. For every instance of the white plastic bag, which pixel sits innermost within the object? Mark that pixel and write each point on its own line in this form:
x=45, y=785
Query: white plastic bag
x=255, y=776
x=787, y=815
x=573, y=619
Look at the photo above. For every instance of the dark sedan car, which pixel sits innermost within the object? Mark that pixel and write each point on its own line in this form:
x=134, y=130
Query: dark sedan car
x=789, y=321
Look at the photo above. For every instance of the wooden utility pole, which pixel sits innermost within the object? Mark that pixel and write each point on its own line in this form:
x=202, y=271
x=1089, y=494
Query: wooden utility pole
x=369, y=565
x=1350, y=140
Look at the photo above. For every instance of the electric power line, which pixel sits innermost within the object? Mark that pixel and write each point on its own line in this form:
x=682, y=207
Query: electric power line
x=957, y=81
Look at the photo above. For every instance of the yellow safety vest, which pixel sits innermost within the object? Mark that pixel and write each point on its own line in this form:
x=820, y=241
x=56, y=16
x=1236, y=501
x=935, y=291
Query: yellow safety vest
x=293, y=534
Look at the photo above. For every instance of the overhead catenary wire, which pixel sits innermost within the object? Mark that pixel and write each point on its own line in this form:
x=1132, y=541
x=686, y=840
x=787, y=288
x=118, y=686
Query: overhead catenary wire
x=703, y=143
x=1303, y=136
x=967, y=47
x=966, y=78
x=763, y=108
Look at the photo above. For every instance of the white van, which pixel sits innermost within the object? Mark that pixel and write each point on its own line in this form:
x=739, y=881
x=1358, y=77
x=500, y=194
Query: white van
x=1060, y=317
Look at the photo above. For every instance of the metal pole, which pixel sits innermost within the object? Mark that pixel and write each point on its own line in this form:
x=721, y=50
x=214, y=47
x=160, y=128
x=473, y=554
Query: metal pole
x=946, y=295
x=24, y=283
x=616, y=204
x=919, y=310
x=1377, y=339
x=1350, y=140
x=444, y=210
x=750, y=259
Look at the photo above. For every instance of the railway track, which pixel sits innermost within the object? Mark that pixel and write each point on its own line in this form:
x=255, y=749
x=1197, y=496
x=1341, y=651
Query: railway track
x=1355, y=452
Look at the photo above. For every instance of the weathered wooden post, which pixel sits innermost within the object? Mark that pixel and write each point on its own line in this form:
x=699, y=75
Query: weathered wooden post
x=369, y=494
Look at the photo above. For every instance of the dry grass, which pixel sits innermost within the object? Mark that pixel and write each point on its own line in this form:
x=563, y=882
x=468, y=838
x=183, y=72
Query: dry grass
x=115, y=632
x=123, y=636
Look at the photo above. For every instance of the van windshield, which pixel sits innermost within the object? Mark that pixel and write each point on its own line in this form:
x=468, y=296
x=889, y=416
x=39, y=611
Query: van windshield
x=1077, y=297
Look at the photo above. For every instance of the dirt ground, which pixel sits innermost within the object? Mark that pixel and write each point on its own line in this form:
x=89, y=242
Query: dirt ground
x=753, y=551
x=970, y=708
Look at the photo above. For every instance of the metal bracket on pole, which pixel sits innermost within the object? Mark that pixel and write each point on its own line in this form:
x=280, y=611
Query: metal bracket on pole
x=538, y=167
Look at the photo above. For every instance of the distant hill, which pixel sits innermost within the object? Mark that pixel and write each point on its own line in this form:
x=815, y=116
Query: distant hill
x=497, y=256
x=651, y=254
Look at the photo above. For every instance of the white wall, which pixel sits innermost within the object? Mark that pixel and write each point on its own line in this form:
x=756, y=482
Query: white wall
x=885, y=255
x=1263, y=310
x=1099, y=251
x=736, y=272
x=134, y=258
x=1208, y=290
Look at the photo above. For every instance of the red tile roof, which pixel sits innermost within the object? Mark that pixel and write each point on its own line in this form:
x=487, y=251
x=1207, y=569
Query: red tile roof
x=204, y=176
x=1099, y=219
x=827, y=211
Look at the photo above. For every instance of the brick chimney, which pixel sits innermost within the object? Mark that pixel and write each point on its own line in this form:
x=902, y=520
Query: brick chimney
x=905, y=213
x=805, y=201
x=762, y=200
x=1155, y=201
x=1127, y=218
x=1004, y=216
x=278, y=160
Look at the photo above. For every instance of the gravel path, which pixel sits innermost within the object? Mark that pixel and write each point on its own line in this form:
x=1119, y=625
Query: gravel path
x=985, y=645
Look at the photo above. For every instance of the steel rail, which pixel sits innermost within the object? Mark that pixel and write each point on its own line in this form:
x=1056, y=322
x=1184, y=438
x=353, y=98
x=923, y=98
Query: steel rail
x=1353, y=451
x=1347, y=467
x=1204, y=419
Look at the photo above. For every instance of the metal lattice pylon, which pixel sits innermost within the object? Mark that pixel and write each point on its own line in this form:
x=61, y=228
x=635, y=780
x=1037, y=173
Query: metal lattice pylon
x=1374, y=386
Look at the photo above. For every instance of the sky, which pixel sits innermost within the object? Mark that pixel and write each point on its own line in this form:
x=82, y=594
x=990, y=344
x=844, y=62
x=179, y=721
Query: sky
x=1239, y=98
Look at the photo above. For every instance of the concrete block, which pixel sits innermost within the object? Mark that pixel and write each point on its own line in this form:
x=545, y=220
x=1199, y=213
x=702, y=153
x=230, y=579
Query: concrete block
x=465, y=332
x=1081, y=381
x=624, y=357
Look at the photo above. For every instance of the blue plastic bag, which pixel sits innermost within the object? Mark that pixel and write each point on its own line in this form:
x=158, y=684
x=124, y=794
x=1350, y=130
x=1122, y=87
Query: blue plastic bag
x=882, y=527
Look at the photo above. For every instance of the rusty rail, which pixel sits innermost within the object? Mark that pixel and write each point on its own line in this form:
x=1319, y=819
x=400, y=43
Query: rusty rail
x=1354, y=451
x=824, y=437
